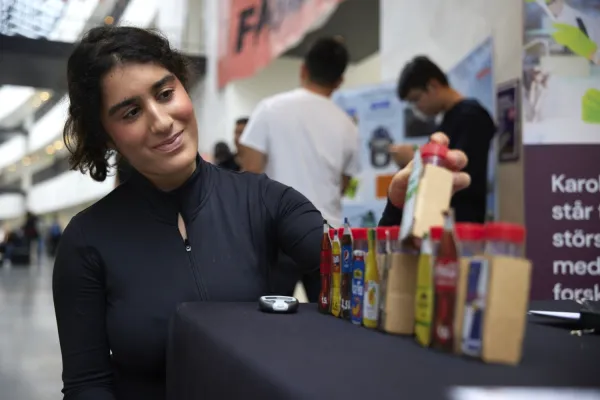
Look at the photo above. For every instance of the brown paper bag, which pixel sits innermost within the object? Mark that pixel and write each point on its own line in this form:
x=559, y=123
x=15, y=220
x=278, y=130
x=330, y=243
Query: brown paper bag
x=505, y=318
x=398, y=295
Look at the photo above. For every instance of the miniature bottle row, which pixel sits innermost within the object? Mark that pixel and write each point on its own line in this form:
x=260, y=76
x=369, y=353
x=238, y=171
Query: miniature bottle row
x=354, y=276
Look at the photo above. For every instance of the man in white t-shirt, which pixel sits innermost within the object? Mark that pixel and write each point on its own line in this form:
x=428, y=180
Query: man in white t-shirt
x=302, y=138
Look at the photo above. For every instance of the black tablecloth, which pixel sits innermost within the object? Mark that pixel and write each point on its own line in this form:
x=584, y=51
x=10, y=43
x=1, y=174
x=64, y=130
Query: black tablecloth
x=233, y=351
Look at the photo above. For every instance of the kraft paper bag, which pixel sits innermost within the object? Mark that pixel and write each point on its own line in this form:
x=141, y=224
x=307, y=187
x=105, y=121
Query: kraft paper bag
x=507, y=303
x=398, y=308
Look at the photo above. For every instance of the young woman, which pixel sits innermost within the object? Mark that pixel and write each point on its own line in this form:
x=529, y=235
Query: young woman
x=179, y=229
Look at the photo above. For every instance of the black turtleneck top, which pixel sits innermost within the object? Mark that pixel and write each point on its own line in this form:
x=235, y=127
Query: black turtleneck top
x=123, y=267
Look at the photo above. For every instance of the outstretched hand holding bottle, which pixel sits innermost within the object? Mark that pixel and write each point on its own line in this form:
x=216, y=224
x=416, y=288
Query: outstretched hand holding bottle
x=456, y=158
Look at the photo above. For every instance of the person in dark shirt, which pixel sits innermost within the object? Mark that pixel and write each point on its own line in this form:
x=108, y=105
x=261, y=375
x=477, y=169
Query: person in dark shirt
x=468, y=126
x=227, y=159
x=178, y=230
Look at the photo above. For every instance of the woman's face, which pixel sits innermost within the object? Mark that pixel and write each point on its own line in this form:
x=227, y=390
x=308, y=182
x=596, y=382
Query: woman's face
x=150, y=118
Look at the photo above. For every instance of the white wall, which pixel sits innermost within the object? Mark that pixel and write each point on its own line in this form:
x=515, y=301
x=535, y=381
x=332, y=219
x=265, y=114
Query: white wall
x=171, y=19
x=194, y=32
x=446, y=30
x=12, y=205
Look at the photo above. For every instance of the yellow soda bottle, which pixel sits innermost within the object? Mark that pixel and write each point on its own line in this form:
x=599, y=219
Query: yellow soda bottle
x=424, y=294
x=372, y=292
x=336, y=275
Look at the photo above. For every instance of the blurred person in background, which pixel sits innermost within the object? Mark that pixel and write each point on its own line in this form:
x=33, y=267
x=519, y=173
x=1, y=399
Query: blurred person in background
x=468, y=125
x=33, y=238
x=240, y=125
x=224, y=157
x=303, y=139
x=3, y=236
x=54, y=234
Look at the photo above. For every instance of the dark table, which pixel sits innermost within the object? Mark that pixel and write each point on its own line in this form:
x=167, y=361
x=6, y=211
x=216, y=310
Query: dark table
x=233, y=351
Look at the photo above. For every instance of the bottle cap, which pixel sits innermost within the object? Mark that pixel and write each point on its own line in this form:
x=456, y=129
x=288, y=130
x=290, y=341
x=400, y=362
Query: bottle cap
x=435, y=233
x=332, y=233
x=393, y=230
x=434, y=149
x=359, y=233
x=505, y=232
x=470, y=231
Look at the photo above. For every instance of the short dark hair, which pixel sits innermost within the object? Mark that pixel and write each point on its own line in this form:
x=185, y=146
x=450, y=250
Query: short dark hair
x=417, y=74
x=327, y=60
x=100, y=50
x=242, y=120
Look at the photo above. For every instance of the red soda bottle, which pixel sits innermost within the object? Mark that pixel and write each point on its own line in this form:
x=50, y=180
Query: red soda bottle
x=326, y=261
x=445, y=281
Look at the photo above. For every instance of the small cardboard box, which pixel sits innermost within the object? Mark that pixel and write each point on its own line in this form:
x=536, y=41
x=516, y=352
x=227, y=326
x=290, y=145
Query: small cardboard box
x=427, y=197
x=397, y=314
x=491, y=308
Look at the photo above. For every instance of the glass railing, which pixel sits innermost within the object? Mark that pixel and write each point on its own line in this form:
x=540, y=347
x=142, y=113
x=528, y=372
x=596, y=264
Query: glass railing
x=59, y=166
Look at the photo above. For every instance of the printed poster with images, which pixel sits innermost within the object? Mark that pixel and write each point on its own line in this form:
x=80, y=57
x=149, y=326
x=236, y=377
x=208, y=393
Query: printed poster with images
x=561, y=137
x=383, y=120
x=378, y=113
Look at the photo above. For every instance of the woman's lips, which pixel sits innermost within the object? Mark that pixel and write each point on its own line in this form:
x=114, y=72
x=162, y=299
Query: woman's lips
x=171, y=144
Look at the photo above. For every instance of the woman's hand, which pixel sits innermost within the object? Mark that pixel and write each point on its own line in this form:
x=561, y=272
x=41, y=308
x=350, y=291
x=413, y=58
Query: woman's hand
x=457, y=159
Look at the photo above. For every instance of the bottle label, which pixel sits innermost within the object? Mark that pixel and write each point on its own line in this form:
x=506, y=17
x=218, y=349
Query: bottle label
x=336, y=284
x=336, y=266
x=424, y=300
x=346, y=294
x=347, y=258
x=411, y=196
x=326, y=261
x=477, y=283
x=356, y=301
x=445, y=275
x=324, y=302
x=371, y=301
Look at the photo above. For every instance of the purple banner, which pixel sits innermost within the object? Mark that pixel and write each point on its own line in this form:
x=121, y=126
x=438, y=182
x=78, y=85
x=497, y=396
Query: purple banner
x=562, y=214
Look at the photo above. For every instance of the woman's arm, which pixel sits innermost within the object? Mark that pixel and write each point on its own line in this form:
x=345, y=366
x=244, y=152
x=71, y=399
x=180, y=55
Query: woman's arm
x=80, y=307
x=298, y=228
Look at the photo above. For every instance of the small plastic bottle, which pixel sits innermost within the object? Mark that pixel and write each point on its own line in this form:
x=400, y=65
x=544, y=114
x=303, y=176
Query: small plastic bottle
x=504, y=239
x=471, y=238
x=360, y=239
x=435, y=154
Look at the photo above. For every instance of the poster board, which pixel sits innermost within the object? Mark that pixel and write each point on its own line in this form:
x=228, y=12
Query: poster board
x=383, y=120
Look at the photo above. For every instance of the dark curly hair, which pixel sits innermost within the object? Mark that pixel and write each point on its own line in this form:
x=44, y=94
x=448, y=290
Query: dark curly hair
x=100, y=50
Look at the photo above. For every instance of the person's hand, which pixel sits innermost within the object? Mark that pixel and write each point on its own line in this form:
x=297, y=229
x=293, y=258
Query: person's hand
x=457, y=160
x=401, y=153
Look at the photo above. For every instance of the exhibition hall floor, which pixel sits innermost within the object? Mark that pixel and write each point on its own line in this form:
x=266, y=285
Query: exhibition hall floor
x=30, y=365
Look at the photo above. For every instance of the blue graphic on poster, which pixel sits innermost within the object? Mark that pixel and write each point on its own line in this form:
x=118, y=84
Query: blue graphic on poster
x=383, y=119
x=375, y=109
